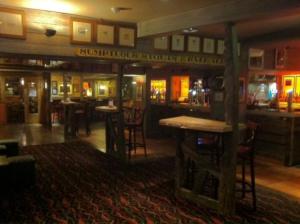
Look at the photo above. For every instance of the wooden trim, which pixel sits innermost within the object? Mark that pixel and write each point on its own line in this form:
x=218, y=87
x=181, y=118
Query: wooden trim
x=91, y=22
x=17, y=12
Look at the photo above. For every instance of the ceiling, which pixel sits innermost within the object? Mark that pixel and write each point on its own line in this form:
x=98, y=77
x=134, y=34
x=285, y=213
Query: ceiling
x=148, y=10
x=141, y=10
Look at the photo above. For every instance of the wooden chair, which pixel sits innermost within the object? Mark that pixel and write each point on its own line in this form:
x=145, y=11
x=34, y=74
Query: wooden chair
x=245, y=155
x=134, y=125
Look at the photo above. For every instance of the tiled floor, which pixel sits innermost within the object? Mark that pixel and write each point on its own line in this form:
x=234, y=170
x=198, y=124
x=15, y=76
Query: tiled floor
x=269, y=173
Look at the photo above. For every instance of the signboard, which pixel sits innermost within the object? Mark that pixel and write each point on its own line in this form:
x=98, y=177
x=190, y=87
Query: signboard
x=150, y=57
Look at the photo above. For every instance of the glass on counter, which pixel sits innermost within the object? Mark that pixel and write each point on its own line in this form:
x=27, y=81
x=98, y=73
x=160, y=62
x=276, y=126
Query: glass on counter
x=158, y=90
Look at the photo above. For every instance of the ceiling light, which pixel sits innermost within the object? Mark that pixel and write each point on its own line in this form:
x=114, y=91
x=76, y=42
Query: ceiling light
x=190, y=30
x=119, y=9
x=52, y=5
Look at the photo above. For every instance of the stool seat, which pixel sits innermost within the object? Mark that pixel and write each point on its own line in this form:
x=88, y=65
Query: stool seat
x=244, y=150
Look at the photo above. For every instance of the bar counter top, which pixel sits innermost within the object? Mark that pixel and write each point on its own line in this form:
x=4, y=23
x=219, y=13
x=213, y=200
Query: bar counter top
x=198, y=124
x=274, y=113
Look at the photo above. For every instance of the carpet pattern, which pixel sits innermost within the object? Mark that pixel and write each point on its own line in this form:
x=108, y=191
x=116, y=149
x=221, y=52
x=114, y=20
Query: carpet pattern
x=75, y=183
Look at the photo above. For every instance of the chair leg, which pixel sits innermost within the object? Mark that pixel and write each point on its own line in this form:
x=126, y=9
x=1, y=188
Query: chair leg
x=243, y=179
x=253, y=182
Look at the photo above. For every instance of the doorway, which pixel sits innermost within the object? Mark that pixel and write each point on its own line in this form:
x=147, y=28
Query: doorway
x=33, y=86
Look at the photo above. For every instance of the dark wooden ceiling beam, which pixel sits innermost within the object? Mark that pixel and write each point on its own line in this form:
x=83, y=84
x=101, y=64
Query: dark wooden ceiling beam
x=235, y=10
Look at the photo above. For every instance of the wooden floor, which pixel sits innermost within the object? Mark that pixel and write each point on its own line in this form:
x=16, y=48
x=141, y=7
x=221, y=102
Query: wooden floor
x=269, y=172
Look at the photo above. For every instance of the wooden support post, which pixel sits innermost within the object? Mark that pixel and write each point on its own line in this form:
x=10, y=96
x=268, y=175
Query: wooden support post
x=121, y=137
x=47, y=99
x=65, y=86
x=228, y=163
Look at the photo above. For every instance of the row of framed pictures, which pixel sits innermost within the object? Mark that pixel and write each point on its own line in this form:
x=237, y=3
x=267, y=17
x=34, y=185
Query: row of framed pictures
x=85, y=31
x=190, y=43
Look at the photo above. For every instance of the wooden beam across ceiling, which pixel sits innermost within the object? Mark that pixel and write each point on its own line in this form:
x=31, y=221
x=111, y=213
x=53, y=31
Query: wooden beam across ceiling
x=235, y=10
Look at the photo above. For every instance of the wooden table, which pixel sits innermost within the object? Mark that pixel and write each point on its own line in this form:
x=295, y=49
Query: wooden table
x=69, y=118
x=114, y=132
x=190, y=162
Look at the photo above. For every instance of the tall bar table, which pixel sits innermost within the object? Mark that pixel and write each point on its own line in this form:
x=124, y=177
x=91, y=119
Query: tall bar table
x=201, y=167
x=69, y=122
x=114, y=137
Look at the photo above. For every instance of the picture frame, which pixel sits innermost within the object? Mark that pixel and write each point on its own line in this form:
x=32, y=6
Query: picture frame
x=208, y=45
x=177, y=42
x=82, y=31
x=105, y=34
x=193, y=44
x=12, y=23
x=127, y=36
x=280, y=58
x=256, y=58
x=220, y=47
x=161, y=43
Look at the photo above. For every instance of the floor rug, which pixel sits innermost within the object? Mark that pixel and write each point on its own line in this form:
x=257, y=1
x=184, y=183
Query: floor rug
x=76, y=183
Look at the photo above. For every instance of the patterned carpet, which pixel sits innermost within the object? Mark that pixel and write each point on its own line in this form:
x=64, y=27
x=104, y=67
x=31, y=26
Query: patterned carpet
x=78, y=184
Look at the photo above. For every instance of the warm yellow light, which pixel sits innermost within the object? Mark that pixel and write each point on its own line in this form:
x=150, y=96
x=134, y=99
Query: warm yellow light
x=52, y=5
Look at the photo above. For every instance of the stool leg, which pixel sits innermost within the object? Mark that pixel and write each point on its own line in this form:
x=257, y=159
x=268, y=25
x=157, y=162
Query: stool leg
x=129, y=144
x=243, y=178
x=134, y=139
x=253, y=182
x=144, y=142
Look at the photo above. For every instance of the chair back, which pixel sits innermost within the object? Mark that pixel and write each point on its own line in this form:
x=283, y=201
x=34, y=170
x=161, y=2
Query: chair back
x=139, y=116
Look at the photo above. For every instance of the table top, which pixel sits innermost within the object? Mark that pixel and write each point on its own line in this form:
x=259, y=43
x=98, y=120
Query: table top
x=198, y=124
x=108, y=109
x=68, y=102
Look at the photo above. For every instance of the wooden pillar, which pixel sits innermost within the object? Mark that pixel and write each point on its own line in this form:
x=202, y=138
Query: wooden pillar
x=47, y=99
x=121, y=137
x=231, y=81
x=65, y=78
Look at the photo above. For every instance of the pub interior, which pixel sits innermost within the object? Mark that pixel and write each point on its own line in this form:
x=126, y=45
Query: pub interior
x=187, y=115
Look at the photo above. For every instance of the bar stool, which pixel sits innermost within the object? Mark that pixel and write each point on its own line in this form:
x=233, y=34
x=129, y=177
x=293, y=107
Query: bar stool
x=245, y=155
x=82, y=113
x=133, y=126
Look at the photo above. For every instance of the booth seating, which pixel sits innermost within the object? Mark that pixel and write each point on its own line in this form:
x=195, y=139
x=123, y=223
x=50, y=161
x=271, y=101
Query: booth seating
x=15, y=170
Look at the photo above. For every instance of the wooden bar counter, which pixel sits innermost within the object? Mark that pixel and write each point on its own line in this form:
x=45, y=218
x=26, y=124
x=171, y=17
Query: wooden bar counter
x=198, y=178
x=278, y=135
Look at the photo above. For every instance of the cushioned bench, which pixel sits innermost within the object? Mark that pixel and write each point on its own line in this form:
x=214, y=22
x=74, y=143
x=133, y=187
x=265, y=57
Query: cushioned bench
x=9, y=147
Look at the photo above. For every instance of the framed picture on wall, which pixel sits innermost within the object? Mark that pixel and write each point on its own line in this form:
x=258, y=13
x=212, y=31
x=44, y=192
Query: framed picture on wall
x=54, y=87
x=81, y=31
x=105, y=34
x=280, y=57
x=161, y=43
x=12, y=24
x=256, y=58
x=208, y=46
x=177, y=42
x=193, y=44
x=127, y=36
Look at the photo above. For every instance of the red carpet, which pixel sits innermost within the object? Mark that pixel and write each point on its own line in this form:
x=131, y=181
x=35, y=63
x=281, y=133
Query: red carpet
x=78, y=184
